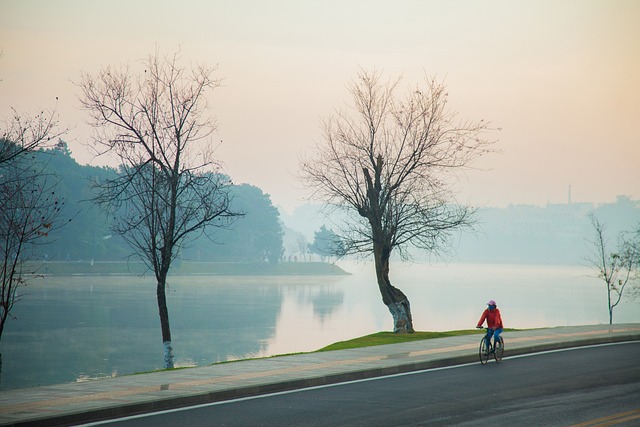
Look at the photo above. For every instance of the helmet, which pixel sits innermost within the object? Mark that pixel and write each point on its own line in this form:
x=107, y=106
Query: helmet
x=491, y=302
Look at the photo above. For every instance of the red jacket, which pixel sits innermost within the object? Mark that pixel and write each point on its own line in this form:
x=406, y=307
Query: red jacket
x=494, y=320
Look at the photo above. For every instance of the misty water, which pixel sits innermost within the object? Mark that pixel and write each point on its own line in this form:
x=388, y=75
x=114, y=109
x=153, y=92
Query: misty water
x=77, y=328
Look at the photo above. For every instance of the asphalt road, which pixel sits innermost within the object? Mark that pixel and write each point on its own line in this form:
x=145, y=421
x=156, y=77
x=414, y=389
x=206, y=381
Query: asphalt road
x=592, y=386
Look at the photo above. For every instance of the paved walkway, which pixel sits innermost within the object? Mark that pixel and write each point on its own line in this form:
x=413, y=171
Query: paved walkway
x=75, y=403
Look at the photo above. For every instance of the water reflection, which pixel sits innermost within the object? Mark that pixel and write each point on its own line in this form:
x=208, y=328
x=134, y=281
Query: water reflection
x=76, y=328
x=326, y=302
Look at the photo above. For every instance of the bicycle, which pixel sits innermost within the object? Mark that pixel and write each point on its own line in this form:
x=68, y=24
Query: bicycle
x=485, y=352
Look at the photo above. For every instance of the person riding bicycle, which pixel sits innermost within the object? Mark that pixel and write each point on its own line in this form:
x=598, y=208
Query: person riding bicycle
x=494, y=323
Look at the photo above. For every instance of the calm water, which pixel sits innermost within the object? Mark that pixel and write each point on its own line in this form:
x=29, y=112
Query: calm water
x=70, y=329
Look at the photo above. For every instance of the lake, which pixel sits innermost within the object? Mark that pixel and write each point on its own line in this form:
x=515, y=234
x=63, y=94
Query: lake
x=78, y=328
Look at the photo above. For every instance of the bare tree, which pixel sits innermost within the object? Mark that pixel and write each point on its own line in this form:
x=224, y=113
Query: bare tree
x=169, y=187
x=302, y=247
x=29, y=206
x=29, y=211
x=619, y=269
x=23, y=133
x=382, y=162
x=632, y=245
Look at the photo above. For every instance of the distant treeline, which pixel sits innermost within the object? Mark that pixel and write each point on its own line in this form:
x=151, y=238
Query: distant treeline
x=518, y=234
x=255, y=237
x=554, y=234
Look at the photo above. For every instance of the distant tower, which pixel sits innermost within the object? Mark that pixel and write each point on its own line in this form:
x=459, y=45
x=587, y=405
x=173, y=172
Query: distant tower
x=569, y=194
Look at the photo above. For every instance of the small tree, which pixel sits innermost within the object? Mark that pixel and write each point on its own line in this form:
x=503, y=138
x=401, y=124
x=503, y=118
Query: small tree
x=29, y=206
x=618, y=269
x=28, y=213
x=633, y=247
x=169, y=186
x=302, y=247
x=382, y=163
x=326, y=243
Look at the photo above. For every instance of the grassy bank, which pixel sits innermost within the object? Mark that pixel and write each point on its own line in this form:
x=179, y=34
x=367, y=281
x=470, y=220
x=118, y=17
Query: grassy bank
x=105, y=268
x=382, y=338
x=379, y=338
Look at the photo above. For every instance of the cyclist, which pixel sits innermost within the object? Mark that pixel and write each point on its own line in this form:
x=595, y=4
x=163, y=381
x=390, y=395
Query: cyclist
x=494, y=323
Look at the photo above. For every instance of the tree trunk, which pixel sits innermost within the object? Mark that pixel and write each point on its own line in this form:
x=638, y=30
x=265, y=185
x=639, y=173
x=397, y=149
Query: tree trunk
x=609, y=303
x=395, y=300
x=164, y=322
x=3, y=318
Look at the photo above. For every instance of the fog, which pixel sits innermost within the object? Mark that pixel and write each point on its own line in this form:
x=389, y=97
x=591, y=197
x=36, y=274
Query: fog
x=561, y=79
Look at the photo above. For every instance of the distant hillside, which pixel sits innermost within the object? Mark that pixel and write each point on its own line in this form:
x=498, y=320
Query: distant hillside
x=87, y=233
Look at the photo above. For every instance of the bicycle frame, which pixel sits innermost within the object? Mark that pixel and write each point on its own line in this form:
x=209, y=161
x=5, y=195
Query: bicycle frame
x=486, y=349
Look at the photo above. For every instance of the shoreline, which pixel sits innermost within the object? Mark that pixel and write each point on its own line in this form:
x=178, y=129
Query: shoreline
x=184, y=268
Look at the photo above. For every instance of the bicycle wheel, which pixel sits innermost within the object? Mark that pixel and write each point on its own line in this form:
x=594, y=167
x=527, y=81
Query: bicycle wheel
x=483, y=351
x=499, y=350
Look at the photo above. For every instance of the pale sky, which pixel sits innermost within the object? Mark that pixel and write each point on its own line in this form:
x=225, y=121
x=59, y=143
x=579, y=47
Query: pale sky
x=561, y=78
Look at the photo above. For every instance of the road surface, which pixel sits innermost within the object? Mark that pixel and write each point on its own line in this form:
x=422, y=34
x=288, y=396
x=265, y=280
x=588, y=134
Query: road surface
x=592, y=386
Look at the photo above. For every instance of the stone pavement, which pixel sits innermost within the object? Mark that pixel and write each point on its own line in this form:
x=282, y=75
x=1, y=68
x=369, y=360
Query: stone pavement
x=76, y=403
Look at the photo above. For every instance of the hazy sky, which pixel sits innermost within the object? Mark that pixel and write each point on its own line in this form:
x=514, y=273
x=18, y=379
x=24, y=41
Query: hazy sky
x=560, y=77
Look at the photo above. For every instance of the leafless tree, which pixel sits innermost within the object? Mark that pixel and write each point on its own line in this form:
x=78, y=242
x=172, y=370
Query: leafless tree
x=29, y=211
x=29, y=206
x=169, y=186
x=23, y=133
x=383, y=163
x=618, y=269
x=302, y=246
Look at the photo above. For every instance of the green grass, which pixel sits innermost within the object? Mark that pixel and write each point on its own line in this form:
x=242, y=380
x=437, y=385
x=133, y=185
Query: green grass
x=379, y=338
x=382, y=338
